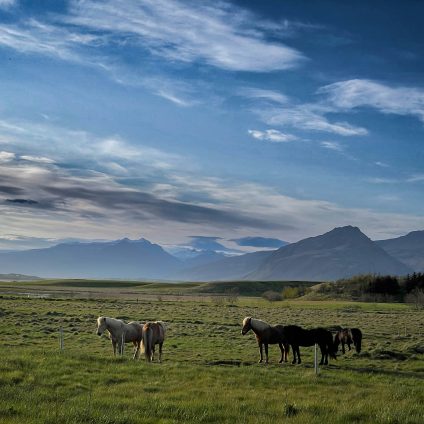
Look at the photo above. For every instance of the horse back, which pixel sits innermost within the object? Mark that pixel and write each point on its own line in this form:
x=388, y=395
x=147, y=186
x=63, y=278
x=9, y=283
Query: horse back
x=136, y=329
x=275, y=334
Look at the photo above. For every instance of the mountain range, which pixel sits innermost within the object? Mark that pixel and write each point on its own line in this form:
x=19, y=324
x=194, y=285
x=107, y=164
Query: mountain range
x=339, y=253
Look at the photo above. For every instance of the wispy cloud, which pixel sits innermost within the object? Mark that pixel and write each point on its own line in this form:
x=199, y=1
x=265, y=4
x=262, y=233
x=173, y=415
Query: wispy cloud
x=332, y=145
x=5, y=4
x=261, y=94
x=416, y=178
x=383, y=180
x=220, y=35
x=33, y=36
x=308, y=117
x=39, y=159
x=273, y=136
x=96, y=201
x=381, y=164
x=358, y=93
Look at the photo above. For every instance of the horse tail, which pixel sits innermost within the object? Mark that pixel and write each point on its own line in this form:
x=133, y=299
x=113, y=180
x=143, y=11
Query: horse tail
x=357, y=339
x=147, y=341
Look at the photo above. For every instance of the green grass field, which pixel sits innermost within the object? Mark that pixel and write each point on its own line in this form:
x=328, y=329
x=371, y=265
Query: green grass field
x=210, y=372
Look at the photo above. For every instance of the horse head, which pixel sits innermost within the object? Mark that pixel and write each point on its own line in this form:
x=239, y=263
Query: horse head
x=101, y=325
x=246, y=325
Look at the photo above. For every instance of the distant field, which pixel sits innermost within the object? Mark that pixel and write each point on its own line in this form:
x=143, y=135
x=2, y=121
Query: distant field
x=210, y=372
x=140, y=288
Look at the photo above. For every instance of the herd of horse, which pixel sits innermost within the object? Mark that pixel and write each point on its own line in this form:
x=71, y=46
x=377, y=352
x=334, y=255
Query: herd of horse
x=295, y=336
x=145, y=336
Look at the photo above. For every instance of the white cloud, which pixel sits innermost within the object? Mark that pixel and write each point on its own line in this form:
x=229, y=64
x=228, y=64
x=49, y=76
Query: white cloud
x=39, y=159
x=274, y=136
x=308, y=117
x=357, y=93
x=54, y=144
x=332, y=145
x=220, y=35
x=6, y=156
x=268, y=95
x=33, y=36
x=101, y=199
x=381, y=164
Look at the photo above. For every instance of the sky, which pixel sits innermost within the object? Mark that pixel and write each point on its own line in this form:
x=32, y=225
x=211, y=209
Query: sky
x=169, y=119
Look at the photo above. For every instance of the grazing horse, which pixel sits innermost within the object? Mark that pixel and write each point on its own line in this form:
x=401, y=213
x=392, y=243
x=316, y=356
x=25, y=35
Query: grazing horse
x=265, y=335
x=153, y=334
x=118, y=330
x=297, y=336
x=348, y=336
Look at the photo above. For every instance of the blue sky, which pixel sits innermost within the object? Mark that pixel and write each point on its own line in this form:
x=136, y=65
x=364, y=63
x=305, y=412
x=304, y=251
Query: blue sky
x=166, y=118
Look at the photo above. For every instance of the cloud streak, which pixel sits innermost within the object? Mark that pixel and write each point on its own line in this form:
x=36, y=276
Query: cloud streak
x=220, y=35
x=357, y=93
x=273, y=136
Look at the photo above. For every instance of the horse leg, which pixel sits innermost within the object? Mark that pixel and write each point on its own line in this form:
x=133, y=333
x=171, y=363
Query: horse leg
x=136, y=349
x=260, y=351
x=299, y=361
x=286, y=352
x=343, y=347
x=282, y=352
x=114, y=347
x=294, y=349
x=348, y=345
x=266, y=353
x=160, y=352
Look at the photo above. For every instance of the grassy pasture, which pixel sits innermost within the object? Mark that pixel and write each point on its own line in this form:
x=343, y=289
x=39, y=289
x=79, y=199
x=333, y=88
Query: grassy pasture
x=210, y=372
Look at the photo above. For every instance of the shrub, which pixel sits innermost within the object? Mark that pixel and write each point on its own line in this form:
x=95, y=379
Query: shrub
x=272, y=296
x=291, y=292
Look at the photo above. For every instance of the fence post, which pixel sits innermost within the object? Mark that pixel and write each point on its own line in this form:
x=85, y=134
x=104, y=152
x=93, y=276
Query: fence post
x=316, y=360
x=61, y=344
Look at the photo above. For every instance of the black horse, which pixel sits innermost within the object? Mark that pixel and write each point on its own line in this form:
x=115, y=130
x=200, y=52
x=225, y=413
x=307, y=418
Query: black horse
x=297, y=336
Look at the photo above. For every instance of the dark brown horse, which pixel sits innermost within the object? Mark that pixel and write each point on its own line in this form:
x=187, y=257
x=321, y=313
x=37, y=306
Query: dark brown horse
x=297, y=336
x=348, y=336
x=153, y=334
x=265, y=335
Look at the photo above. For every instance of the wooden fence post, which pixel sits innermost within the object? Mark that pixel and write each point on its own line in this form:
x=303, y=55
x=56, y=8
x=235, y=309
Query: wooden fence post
x=316, y=360
x=61, y=343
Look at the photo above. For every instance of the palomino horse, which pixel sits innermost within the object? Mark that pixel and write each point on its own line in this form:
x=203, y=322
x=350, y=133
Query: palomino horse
x=297, y=336
x=118, y=331
x=153, y=334
x=348, y=336
x=265, y=335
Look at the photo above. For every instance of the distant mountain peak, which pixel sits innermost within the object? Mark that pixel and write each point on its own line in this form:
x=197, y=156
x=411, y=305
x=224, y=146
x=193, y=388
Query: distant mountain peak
x=348, y=229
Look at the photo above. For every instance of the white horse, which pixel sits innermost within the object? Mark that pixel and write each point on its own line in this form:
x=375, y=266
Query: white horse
x=153, y=334
x=120, y=331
